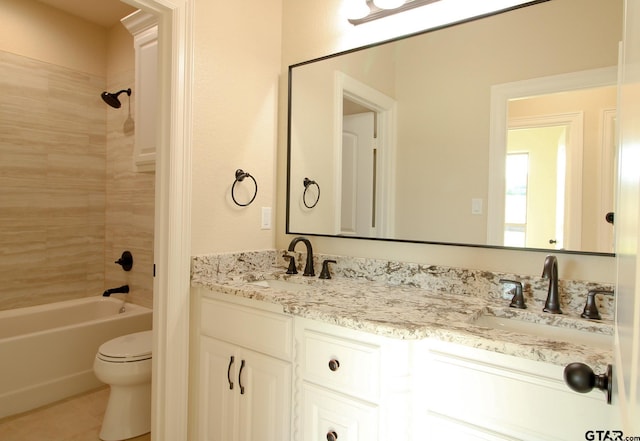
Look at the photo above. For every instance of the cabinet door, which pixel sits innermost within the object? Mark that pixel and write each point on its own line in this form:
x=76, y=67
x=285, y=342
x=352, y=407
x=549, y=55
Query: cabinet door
x=219, y=391
x=265, y=397
x=325, y=412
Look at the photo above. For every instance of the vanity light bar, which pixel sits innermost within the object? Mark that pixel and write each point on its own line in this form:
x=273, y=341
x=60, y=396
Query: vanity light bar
x=376, y=12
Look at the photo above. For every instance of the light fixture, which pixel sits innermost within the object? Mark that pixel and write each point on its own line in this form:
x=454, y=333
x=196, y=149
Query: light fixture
x=382, y=8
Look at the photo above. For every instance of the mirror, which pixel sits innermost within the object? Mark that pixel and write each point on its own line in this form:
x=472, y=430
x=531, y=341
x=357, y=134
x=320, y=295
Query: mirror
x=407, y=140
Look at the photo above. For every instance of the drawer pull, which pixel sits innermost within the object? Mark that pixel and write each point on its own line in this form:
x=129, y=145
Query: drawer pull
x=334, y=364
x=240, y=378
x=332, y=435
x=229, y=373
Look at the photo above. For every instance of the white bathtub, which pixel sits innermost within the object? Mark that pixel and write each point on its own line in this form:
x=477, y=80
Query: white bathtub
x=47, y=351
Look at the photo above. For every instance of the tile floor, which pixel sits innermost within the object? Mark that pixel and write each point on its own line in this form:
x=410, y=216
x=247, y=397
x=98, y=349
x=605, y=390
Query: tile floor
x=74, y=419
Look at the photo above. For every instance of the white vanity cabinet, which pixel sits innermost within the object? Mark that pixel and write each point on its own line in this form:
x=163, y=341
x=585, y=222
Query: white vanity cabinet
x=473, y=394
x=351, y=386
x=244, y=371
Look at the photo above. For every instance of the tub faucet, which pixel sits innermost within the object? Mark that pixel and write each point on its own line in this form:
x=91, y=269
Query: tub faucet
x=550, y=271
x=119, y=290
x=308, y=268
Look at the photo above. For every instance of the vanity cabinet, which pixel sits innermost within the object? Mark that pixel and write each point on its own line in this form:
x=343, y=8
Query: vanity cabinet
x=244, y=389
x=264, y=376
x=352, y=386
x=473, y=394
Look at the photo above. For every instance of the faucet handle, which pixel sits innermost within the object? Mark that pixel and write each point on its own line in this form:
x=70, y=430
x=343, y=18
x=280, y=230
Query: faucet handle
x=325, y=274
x=518, y=298
x=292, y=264
x=590, y=308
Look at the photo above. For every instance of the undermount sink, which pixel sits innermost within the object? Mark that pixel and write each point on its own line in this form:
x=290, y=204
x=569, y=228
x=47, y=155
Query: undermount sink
x=526, y=324
x=283, y=285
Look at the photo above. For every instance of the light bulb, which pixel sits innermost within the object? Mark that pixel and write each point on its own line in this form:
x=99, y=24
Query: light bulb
x=357, y=9
x=388, y=4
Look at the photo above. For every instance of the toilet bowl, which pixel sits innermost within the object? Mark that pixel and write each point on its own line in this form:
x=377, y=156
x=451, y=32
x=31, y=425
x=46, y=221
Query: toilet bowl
x=124, y=363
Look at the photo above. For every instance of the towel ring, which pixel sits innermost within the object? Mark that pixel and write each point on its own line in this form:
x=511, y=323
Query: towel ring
x=308, y=183
x=240, y=175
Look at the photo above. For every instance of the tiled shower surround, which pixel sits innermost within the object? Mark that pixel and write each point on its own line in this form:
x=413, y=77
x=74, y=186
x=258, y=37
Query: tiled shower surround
x=57, y=180
x=446, y=280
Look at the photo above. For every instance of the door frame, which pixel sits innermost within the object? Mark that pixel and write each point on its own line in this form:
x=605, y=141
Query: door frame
x=574, y=122
x=500, y=96
x=386, y=116
x=172, y=235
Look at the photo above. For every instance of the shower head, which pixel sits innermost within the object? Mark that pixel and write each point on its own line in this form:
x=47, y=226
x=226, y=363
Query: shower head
x=112, y=98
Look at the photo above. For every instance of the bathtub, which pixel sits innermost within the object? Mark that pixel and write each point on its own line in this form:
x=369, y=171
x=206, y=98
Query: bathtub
x=47, y=351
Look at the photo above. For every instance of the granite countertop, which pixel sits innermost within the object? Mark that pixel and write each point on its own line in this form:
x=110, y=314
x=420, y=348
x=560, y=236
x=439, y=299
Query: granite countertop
x=408, y=312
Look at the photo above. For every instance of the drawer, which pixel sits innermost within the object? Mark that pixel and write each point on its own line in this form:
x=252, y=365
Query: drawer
x=326, y=412
x=262, y=331
x=347, y=366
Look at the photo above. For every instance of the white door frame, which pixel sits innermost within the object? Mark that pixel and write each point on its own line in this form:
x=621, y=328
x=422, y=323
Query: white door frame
x=172, y=235
x=572, y=231
x=386, y=109
x=500, y=96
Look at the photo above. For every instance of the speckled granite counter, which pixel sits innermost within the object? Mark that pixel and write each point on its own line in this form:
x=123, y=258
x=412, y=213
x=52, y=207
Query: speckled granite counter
x=407, y=308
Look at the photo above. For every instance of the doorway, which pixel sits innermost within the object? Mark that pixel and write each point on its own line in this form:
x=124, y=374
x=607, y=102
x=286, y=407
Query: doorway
x=365, y=159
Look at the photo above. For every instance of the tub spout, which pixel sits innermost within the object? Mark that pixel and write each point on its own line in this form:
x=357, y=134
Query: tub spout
x=119, y=290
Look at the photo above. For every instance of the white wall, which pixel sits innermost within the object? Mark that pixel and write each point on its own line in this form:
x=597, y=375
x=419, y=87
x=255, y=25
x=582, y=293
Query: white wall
x=312, y=29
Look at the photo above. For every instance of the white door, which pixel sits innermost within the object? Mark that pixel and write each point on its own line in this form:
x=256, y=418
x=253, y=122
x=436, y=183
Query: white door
x=357, y=211
x=627, y=224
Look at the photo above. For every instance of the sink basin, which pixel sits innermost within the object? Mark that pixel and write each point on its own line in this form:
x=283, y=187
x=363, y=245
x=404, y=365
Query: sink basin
x=552, y=332
x=283, y=285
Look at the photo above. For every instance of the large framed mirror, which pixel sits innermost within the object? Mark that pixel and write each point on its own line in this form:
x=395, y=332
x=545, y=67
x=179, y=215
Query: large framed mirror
x=495, y=132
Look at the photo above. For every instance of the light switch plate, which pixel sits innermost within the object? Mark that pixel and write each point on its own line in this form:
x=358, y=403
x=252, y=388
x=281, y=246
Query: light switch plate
x=476, y=206
x=265, y=223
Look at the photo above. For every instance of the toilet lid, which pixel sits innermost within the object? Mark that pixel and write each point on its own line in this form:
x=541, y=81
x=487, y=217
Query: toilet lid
x=130, y=347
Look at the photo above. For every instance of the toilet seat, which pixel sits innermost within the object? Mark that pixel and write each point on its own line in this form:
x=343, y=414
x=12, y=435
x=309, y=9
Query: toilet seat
x=127, y=348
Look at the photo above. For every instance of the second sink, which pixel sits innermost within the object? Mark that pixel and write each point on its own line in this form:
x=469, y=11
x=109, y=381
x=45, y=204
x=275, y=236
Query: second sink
x=570, y=330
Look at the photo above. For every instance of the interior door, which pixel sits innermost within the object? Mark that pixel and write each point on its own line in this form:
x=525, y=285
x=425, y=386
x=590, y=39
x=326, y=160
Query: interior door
x=627, y=339
x=357, y=213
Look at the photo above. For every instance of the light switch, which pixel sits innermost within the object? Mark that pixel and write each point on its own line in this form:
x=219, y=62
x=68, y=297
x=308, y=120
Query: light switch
x=266, y=218
x=476, y=206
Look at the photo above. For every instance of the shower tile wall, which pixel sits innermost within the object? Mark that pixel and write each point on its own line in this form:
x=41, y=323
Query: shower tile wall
x=52, y=183
x=70, y=200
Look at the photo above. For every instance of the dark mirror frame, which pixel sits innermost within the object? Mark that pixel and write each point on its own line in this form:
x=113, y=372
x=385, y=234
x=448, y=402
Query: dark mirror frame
x=326, y=57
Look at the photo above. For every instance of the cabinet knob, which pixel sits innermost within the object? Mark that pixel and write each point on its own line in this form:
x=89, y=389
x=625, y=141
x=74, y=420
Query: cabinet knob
x=332, y=435
x=580, y=378
x=334, y=364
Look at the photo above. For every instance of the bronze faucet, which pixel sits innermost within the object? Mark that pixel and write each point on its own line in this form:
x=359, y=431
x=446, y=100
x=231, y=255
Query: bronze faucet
x=550, y=271
x=308, y=268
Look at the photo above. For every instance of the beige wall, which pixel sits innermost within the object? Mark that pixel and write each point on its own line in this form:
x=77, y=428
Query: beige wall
x=235, y=99
x=312, y=29
x=38, y=31
x=60, y=167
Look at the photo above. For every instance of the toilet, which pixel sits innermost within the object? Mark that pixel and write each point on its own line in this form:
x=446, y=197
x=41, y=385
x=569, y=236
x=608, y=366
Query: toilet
x=124, y=363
